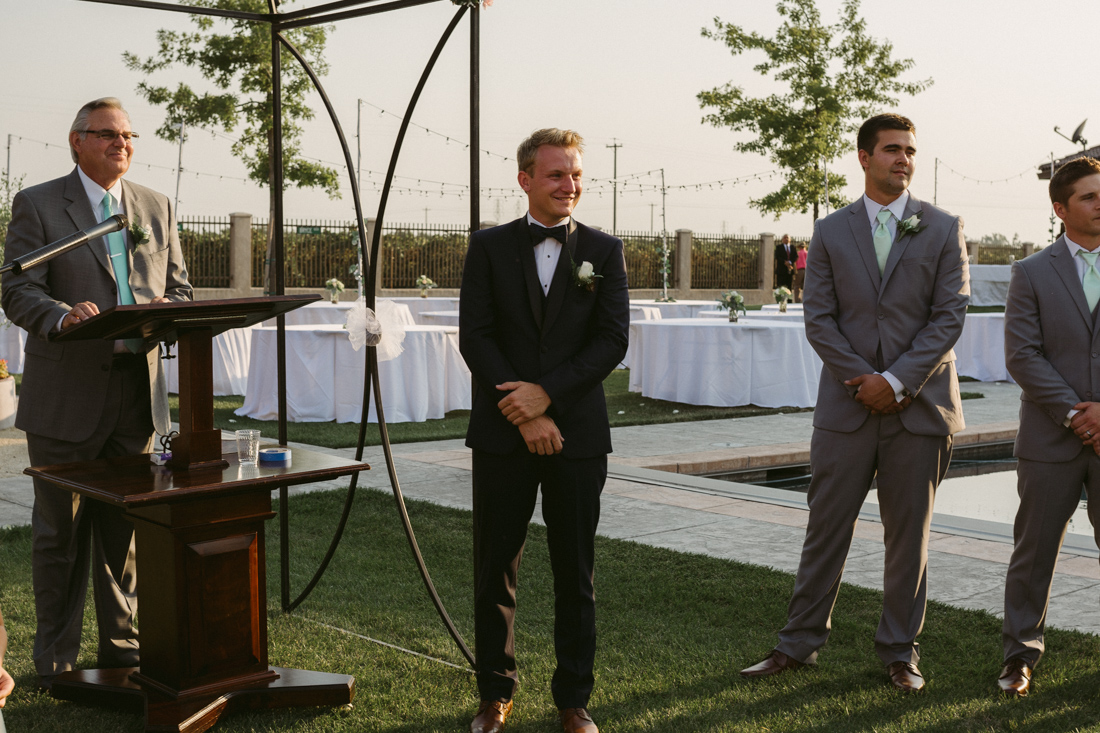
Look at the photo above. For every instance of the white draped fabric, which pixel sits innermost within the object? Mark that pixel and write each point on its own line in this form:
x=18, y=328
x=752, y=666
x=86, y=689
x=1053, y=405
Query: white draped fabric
x=980, y=350
x=322, y=312
x=418, y=305
x=706, y=361
x=791, y=316
x=439, y=318
x=325, y=376
x=989, y=284
x=231, y=350
x=679, y=309
x=13, y=340
x=639, y=313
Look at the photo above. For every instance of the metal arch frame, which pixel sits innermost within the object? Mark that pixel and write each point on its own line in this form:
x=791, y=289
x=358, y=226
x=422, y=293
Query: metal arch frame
x=318, y=15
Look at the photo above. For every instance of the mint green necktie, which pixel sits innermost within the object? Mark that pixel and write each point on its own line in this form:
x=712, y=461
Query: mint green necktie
x=116, y=247
x=883, y=240
x=1091, y=280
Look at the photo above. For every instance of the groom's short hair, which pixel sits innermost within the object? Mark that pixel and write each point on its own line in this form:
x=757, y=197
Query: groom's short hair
x=869, y=130
x=1064, y=179
x=525, y=154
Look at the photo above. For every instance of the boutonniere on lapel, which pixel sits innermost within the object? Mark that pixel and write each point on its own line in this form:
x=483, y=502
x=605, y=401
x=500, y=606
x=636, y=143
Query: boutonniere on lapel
x=912, y=225
x=584, y=276
x=138, y=234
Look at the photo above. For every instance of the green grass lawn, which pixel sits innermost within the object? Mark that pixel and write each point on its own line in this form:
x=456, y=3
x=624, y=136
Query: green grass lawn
x=674, y=629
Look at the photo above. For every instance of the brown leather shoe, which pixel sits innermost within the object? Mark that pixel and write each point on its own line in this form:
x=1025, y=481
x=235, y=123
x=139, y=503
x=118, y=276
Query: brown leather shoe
x=774, y=663
x=905, y=676
x=576, y=720
x=1015, y=679
x=490, y=717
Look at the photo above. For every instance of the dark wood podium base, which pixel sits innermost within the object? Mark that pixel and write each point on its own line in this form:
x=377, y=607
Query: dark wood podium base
x=115, y=689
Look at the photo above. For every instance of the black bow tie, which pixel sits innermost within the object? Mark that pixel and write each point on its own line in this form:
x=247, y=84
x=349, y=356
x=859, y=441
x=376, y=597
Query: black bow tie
x=539, y=233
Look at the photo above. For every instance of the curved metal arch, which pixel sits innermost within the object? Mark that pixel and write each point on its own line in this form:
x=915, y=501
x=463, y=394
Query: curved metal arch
x=371, y=369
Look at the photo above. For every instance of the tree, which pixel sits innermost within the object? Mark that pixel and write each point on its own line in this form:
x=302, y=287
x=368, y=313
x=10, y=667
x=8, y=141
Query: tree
x=238, y=63
x=837, y=76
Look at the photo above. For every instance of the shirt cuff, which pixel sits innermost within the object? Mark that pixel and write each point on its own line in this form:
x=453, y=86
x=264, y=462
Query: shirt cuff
x=899, y=388
x=1069, y=417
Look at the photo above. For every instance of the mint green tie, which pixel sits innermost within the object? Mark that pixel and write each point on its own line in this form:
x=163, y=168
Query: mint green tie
x=883, y=240
x=116, y=247
x=1091, y=280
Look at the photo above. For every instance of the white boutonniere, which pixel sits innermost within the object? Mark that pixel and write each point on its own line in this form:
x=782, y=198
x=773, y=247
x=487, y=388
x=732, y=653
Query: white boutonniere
x=585, y=275
x=139, y=235
x=912, y=225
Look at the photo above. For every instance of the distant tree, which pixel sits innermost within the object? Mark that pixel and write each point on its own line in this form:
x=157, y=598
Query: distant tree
x=238, y=63
x=996, y=239
x=837, y=76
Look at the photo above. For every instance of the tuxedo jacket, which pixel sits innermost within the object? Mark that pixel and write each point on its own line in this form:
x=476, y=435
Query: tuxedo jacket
x=567, y=342
x=65, y=384
x=1052, y=350
x=906, y=320
x=784, y=258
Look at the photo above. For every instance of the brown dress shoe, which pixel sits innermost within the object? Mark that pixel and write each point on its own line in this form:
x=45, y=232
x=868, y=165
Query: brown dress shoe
x=1015, y=679
x=905, y=676
x=774, y=663
x=576, y=720
x=490, y=717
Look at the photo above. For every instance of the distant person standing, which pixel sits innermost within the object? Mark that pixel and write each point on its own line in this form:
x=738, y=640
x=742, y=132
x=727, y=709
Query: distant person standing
x=785, y=257
x=887, y=287
x=1052, y=338
x=800, y=272
x=84, y=400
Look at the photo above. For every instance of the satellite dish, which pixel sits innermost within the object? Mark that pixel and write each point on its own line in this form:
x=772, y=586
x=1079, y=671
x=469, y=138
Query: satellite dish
x=1077, y=134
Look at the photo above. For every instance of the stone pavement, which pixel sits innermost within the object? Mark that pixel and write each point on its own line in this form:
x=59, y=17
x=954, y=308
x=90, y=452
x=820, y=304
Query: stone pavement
x=672, y=509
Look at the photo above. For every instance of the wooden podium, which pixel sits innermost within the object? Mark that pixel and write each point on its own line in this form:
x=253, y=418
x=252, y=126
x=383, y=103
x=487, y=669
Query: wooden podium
x=199, y=527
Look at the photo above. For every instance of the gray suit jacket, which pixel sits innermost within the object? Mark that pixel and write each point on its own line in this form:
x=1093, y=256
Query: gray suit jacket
x=65, y=384
x=906, y=321
x=1052, y=349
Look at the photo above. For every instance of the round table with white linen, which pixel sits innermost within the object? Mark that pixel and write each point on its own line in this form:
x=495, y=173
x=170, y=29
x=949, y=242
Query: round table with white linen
x=418, y=305
x=980, y=350
x=439, y=318
x=707, y=361
x=13, y=340
x=230, y=355
x=324, y=312
x=679, y=309
x=989, y=284
x=639, y=313
x=760, y=315
x=325, y=376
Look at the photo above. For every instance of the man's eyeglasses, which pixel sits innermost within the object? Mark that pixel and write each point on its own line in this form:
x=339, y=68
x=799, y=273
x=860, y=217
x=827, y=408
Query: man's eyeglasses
x=110, y=135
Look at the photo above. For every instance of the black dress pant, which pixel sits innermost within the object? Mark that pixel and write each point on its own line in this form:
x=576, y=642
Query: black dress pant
x=505, y=491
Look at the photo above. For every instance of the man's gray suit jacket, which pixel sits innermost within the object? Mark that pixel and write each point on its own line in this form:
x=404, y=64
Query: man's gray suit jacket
x=1052, y=349
x=65, y=384
x=906, y=320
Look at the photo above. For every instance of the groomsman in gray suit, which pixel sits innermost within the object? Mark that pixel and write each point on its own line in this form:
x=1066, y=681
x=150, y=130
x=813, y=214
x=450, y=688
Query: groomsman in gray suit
x=887, y=285
x=1052, y=348
x=88, y=399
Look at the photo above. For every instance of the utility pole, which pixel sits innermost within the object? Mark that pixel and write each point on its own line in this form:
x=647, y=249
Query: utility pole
x=615, y=187
x=359, y=145
x=179, y=172
x=936, y=184
x=7, y=174
x=651, y=206
x=425, y=216
x=664, y=242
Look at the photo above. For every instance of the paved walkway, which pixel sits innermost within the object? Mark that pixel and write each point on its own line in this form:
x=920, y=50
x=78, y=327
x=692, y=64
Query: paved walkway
x=645, y=503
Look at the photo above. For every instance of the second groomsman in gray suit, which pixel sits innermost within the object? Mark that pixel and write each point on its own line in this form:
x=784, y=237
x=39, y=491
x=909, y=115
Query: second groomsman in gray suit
x=1052, y=348
x=84, y=400
x=887, y=285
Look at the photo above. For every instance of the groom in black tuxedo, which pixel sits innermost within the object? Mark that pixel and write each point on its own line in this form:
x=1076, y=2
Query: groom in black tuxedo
x=543, y=318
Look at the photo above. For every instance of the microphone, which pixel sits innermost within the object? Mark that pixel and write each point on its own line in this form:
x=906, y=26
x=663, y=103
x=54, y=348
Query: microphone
x=61, y=246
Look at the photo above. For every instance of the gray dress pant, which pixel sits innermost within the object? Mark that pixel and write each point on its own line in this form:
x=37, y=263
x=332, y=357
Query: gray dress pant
x=909, y=468
x=71, y=534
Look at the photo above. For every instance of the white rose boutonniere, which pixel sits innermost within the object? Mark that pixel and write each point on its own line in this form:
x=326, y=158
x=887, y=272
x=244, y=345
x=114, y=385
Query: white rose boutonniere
x=138, y=234
x=912, y=225
x=585, y=275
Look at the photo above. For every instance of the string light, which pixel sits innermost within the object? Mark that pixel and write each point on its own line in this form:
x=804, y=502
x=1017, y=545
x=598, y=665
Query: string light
x=1028, y=171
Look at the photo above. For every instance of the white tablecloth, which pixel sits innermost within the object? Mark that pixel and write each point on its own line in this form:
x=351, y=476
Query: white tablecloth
x=679, y=309
x=791, y=316
x=775, y=307
x=439, y=318
x=317, y=314
x=989, y=284
x=418, y=305
x=13, y=340
x=325, y=376
x=980, y=350
x=639, y=313
x=231, y=351
x=706, y=361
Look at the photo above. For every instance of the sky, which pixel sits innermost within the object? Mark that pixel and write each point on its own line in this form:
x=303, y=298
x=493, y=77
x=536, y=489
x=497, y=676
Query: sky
x=623, y=72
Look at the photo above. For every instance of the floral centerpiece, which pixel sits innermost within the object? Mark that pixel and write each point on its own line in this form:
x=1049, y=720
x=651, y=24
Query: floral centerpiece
x=425, y=283
x=334, y=288
x=732, y=301
x=782, y=295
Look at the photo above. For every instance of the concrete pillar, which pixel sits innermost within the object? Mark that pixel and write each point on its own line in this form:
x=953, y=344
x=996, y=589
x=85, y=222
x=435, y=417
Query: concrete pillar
x=767, y=264
x=682, y=263
x=487, y=225
x=240, y=254
x=972, y=249
x=1029, y=247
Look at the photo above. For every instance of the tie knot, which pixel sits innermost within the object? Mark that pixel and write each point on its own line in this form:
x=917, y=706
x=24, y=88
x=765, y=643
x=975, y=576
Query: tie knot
x=884, y=216
x=1089, y=257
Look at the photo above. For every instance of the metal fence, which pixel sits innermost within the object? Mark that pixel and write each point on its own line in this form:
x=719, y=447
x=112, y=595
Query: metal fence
x=313, y=251
x=999, y=254
x=725, y=262
x=643, y=258
x=412, y=250
x=205, y=244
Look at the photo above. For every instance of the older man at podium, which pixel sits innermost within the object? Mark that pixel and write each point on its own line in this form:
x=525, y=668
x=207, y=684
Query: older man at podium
x=85, y=400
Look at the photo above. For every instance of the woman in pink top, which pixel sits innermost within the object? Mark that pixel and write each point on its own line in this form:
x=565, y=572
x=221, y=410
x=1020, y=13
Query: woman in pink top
x=800, y=272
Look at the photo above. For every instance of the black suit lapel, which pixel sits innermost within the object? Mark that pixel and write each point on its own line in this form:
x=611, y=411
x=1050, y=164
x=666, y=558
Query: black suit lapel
x=530, y=272
x=563, y=277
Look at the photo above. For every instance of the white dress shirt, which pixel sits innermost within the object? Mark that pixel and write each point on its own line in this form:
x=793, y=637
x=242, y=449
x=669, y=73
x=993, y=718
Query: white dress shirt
x=897, y=208
x=547, y=253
